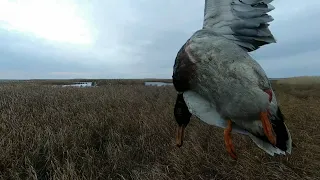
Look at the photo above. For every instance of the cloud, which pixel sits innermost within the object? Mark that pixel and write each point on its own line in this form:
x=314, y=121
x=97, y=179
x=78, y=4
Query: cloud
x=293, y=65
x=298, y=42
x=40, y=18
x=140, y=39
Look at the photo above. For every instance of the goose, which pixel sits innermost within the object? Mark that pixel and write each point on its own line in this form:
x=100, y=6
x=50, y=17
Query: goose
x=222, y=85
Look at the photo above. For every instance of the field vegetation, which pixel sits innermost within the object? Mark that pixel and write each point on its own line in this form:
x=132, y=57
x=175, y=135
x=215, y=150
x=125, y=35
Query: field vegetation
x=125, y=130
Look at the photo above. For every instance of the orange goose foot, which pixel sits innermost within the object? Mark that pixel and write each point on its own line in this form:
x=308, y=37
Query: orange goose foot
x=228, y=140
x=267, y=128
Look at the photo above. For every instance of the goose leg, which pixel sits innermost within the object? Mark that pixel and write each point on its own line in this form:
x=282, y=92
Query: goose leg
x=228, y=140
x=267, y=127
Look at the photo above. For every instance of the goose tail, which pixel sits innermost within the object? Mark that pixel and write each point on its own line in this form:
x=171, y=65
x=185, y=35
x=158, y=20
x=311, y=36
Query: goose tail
x=283, y=136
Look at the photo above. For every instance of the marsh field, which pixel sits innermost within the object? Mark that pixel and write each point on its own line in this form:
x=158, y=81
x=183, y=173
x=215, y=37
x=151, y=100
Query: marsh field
x=125, y=130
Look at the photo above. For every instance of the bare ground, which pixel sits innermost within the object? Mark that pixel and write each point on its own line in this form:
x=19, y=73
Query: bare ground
x=126, y=131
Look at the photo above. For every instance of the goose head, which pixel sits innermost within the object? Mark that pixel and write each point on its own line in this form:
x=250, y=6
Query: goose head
x=182, y=117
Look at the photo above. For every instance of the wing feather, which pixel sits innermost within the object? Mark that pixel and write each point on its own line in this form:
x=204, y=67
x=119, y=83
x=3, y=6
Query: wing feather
x=245, y=22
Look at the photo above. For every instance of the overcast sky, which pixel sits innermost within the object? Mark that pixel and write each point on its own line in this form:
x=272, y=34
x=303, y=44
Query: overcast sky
x=136, y=39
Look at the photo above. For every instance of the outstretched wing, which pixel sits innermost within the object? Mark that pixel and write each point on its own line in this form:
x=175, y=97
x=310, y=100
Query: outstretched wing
x=245, y=22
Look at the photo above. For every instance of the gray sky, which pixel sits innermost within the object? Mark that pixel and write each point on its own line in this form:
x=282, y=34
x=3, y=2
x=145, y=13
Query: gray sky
x=136, y=39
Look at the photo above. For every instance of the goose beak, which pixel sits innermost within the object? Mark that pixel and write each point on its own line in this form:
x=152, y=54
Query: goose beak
x=179, y=135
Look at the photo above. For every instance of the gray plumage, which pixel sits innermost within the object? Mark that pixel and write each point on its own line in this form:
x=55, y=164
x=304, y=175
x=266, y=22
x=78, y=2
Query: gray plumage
x=243, y=21
x=220, y=80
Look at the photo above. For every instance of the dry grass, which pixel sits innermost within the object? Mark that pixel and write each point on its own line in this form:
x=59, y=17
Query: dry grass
x=100, y=82
x=302, y=80
x=127, y=132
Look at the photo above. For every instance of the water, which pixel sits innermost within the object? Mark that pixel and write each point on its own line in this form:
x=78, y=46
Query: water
x=80, y=84
x=157, y=84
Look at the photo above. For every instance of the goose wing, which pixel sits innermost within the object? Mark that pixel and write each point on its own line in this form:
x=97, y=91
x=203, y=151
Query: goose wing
x=245, y=22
